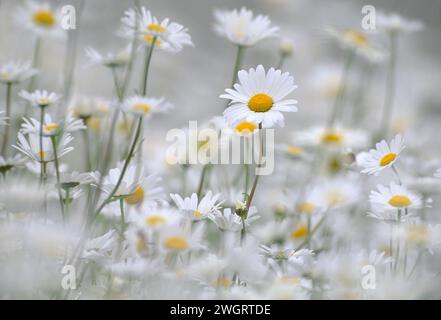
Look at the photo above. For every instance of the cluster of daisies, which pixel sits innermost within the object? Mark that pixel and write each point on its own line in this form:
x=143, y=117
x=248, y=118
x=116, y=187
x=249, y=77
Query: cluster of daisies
x=135, y=227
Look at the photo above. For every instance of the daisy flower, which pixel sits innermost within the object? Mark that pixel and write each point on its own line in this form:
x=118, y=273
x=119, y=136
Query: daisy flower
x=423, y=235
x=336, y=137
x=155, y=217
x=15, y=72
x=393, y=198
x=9, y=163
x=393, y=22
x=170, y=36
x=357, y=41
x=145, y=106
x=259, y=97
x=39, y=98
x=176, y=239
x=383, y=156
x=148, y=190
x=51, y=127
x=196, y=209
x=242, y=28
x=40, y=18
x=109, y=59
x=228, y=220
x=128, y=184
x=31, y=147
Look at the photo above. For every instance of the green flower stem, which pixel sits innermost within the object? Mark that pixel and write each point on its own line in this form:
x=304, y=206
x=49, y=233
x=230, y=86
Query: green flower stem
x=256, y=177
x=124, y=169
x=123, y=223
x=390, y=87
x=57, y=172
x=340, y=93
x=237, y=63
x=148, y=58
x=42, y=174
x=202, y=180
x=8, y=114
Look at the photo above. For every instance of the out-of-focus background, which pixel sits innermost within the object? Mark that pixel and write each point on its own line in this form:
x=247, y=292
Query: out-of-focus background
x=194, y=78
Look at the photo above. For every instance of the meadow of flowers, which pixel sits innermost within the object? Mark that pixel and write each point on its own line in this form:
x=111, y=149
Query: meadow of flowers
x=112, y=112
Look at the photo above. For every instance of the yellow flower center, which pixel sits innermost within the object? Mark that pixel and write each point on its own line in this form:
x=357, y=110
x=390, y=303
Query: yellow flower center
x=142, y=107
x=155, y=220
x=176, y=243
x=223, y=282
x=136, y=197
x=260, y=102
x=289, y=280
x=334, y=198
x=294, y=150
x=51, y=127
x=387, y=159
x=332, y=137
x=357, y=38
x=300, y=232
x=418, y=233
x=149, y=38
x=306, y=207
x=93, y=122
x=197, y=213
x=42, y=154
x=400, y=201
x=45, y=18
x=154, y=27
x=245, y=127
x=43, y=101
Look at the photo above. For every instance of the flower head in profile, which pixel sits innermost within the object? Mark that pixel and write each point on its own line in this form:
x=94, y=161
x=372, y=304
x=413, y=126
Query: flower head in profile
x=197, y=209
x=128, y=185
x=388, y=200
x=40, y=18
x=393, y=22
x=15, y=72
x=30, y=146
x=242, y=28
x=230, y=221
x=169, y=36
x=146, y=106
x=109, y=59
x=260, y=97
x=357, y=41
x=52, y=127
x=40, y=98
x=382, y=157
x=332, y=138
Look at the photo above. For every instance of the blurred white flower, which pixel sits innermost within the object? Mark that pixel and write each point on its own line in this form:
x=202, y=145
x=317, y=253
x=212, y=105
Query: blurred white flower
x=39, y=98
x=15, y=72
x=242, y=28
x=259, y=98
x=393, y=22
x=146, y=106
x=51, y=127
x=230, y=221
x=195, y=209
x=109, y=59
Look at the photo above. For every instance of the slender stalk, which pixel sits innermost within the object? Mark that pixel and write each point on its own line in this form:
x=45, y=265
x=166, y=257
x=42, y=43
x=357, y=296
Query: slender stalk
x=8, y=114
x=256, y=177
x=123, y=223
x=42, y=109
x=237, y=63
x=87, y=149
x=282, y=59
x=390, y=87
x=202, y=180
x=124, y=169
x=149, y=52
x=57, y=172
x=340, y=93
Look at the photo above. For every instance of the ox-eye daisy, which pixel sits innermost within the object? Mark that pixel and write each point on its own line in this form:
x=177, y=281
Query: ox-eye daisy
x=51, y=127
x=40, y=18
x=395, y=23
x=259, y=97
x=195, y=209
x=242, y=28
x=146, y=106
x=383, y=156
x=14, y=72
x=109, y=59
x=128, y=185
x=39, y=98
x=393, y=198
x=168, y=36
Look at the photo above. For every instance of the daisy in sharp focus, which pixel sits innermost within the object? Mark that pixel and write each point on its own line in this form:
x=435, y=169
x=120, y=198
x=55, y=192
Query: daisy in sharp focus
x=40, y=98
x=15, y=72
x=259, y=97
x=242, y=28
x=51, y=127
x=383, y=156
x=391, y=199
x=196, y=209
x=145, y=106
x=170, y=36
x=40, y=18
